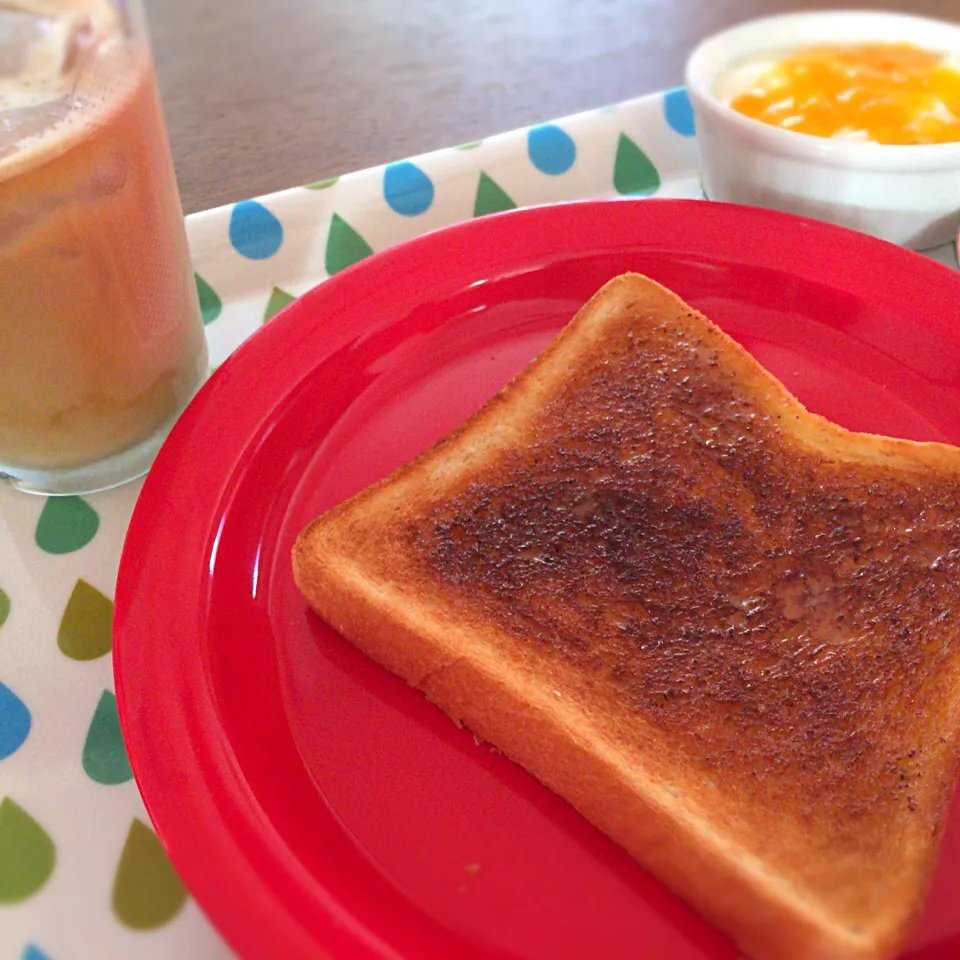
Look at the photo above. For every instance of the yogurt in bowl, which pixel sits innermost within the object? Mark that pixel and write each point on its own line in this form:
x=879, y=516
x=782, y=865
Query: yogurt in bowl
x=819, y=114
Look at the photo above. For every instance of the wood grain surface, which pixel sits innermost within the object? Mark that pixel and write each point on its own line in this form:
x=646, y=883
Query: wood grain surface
x=266, y=94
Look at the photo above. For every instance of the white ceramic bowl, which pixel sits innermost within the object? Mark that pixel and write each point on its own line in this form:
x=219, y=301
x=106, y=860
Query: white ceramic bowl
x=907, y=194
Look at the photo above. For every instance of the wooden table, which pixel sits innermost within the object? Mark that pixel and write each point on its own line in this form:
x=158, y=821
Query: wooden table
x=266, y=94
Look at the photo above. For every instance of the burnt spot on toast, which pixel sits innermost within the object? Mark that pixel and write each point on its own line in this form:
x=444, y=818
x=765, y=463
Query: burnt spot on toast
x=780, y=616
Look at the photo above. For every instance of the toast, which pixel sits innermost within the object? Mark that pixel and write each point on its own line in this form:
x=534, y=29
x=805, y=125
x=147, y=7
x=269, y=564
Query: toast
x=725, y=629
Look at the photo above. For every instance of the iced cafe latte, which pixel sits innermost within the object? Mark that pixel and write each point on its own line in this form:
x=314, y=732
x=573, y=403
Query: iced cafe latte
x=101, y=343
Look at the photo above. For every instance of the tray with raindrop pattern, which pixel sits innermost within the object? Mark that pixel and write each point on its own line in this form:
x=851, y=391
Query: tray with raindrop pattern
x=82, y=874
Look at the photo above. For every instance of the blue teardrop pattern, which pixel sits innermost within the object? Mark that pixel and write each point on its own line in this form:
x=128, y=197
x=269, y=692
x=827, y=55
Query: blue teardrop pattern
x=678, y=110
x=255, y=232
x=15, y=722
x=551, y=149
x=32, y=952
x=407, y=189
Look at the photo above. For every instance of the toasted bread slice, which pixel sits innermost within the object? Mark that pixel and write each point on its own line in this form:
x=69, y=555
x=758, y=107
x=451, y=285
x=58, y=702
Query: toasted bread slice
x=722, y=627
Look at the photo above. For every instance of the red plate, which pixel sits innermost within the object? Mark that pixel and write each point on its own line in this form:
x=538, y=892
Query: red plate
x=312, y=802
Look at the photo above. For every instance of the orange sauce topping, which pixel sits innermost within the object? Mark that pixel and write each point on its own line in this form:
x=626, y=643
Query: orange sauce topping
x=884, y=92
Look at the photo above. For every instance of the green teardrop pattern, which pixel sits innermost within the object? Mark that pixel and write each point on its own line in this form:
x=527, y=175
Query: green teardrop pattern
x=345, y=246
x=633, y=172
x=491, y=197
x=279, y=298
x=66, y=524
x=4, y=606
x=469, y=145
x=322, y=184
x=210, y=303
x=86, y=627
x=147, y=893
x=27, y=854
x=104, y=755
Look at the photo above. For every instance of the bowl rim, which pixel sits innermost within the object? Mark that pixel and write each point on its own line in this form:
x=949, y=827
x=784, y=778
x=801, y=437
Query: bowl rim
x=866, y=155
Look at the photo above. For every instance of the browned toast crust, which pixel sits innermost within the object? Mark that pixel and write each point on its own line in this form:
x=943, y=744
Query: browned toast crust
x=724, y=628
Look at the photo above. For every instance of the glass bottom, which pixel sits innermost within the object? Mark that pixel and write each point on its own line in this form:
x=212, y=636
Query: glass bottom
x=121, y=468
x=113, y=471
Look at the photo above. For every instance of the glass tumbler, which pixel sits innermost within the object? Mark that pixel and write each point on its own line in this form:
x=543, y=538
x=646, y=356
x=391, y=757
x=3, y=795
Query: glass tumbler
x=101, y=340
